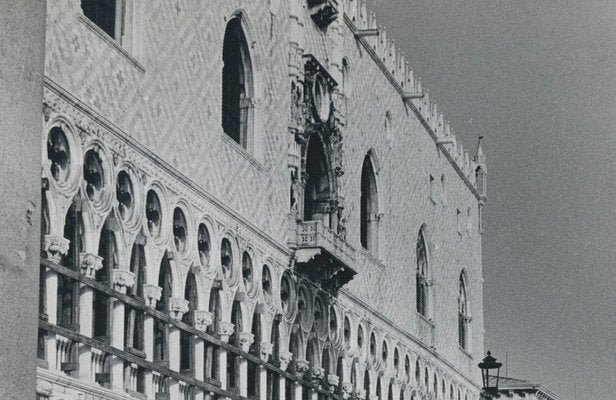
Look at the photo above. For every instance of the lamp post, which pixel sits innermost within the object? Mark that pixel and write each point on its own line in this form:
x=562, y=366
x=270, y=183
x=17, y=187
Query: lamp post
x=490, y=388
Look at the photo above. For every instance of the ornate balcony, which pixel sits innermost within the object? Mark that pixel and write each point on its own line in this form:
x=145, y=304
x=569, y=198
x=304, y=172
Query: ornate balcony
x=324, y=256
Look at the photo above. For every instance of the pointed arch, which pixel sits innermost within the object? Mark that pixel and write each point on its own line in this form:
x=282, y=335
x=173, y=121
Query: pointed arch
x=161, y=328
x=320, y=188
x=422, y=273
x=237, y=84
x=187, y=340
x=463, y=315
x=369, y=206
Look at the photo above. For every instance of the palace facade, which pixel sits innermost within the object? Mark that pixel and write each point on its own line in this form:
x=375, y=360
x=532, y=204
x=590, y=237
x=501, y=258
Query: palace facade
x=250, y=199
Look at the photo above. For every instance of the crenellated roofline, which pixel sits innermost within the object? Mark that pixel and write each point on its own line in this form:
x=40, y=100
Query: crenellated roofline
x=391, y=61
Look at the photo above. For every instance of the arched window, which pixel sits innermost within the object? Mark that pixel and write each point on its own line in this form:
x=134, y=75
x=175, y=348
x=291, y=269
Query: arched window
x=318, y=192
x=236, y=84
x=101, y=303
x=463, y=318
x=369, y=207
x=422, y=275
x=161, y=328
x=133, y=324
x=68, y=289
x=253, y=369
x=187, y=340
x=480, y=180
x=134, y=318
x=232, y=364
x=211, y=350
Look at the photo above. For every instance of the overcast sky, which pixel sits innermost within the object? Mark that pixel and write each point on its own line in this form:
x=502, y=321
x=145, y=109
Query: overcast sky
x=538, y=80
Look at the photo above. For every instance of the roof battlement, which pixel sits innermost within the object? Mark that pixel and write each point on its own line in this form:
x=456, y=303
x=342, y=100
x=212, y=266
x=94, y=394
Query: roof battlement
x=399, y=72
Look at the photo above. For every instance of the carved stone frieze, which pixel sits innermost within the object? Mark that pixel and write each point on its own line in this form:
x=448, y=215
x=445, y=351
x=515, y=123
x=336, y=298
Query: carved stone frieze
x=122, y=280
x=316, y=374
x=177, y=307
x=333, y=381
x=285, y=358
x=225, y=329
x=90, y=263
x=246, y=339
x=301, y=367
x=56, y=247
x=203, y=319
x=152, y=294
x=266, y=350
x=347, y=389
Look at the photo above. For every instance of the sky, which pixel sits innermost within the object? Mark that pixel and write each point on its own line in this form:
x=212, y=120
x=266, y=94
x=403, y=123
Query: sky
x=538, y=80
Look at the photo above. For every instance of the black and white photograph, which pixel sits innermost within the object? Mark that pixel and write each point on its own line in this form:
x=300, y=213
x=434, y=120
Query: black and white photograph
x=308, y=200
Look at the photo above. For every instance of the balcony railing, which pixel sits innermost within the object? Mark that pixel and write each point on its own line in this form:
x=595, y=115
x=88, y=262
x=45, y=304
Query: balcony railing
x=324, y=255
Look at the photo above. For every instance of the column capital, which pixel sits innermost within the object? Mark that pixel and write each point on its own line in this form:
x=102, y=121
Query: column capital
x=285, y=358
x=246, y=339
x=301, y=366
x=122, y=279
x=347, y=389
x=55, y=247
x=177, y=308
x=225, y=329
x=266, y=349
x=333, y=381
x=90, y=263
x=152, y=294
x=317, y=373
x=360, y=394
x=203, y=319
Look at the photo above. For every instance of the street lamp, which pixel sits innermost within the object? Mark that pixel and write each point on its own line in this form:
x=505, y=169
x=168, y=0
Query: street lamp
x=489, y=363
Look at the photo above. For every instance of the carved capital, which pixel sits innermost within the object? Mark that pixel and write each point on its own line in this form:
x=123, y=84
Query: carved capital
x=90, y=263
x=285, y=358
x=122, y=279
x=347, y=389
x=266, y=349
x=203, y=319
x=333, y=381
x=246, y=340
x=225, y=329
x=360, y=394
x=56, y=247
x=177, y=307
x=317, y=373
x=301, y=367
x=152, y=294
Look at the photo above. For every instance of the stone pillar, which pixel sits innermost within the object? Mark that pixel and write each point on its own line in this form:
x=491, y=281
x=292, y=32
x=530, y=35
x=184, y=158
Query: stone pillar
x=316, y=374
x=266, y=349
x=246, y=339
x=285, y=358
x=55, y=248
x=151, y=294
x=89, y=263
x=177, y=308
x=225, y=329
x=202, y=320
x=301, y=367
x=22, y=40
x=122, y=280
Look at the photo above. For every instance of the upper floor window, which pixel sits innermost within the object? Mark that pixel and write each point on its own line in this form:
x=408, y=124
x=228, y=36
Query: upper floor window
x=369, y=207
x=422, y=275
x=106, y=14
x=236, y=84
x=463, y=318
